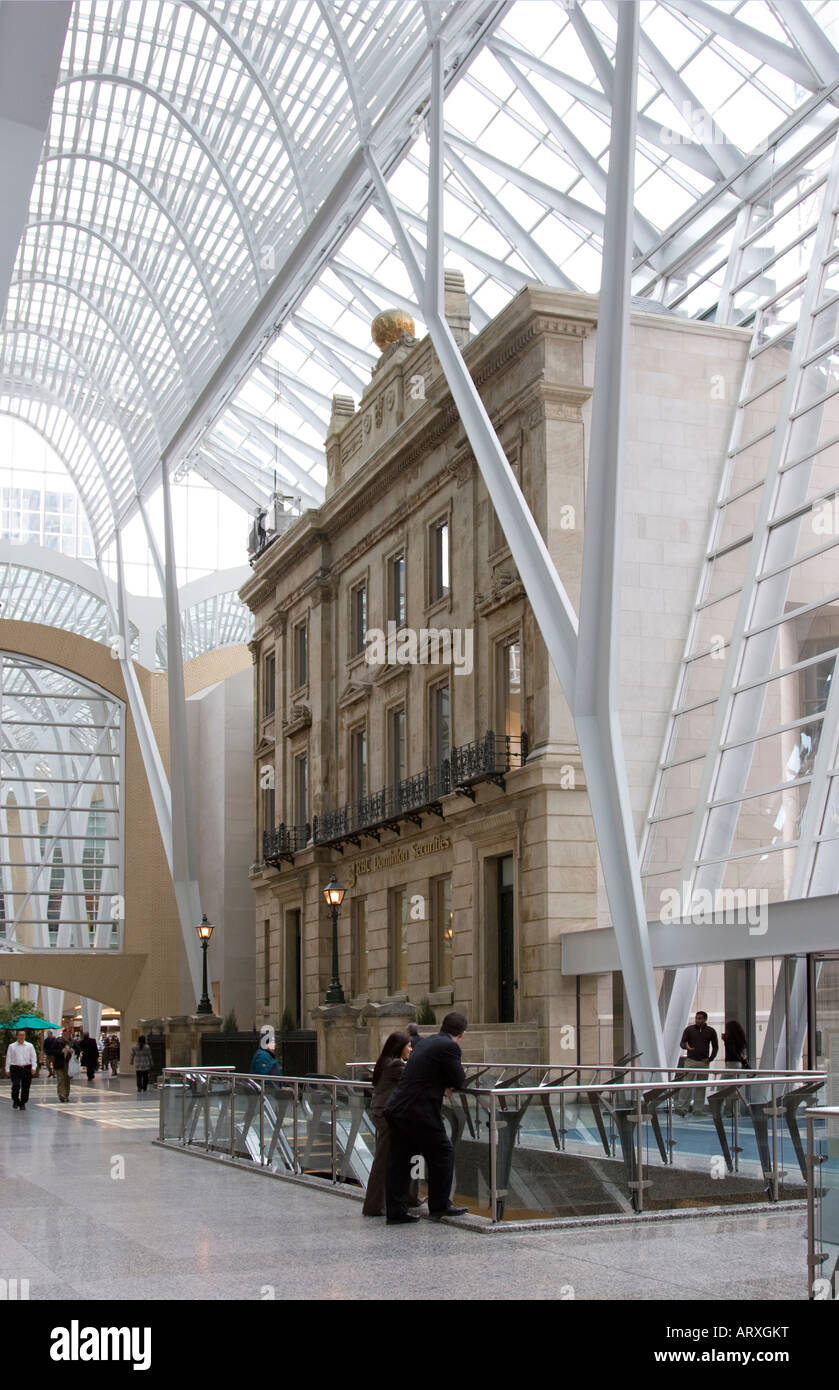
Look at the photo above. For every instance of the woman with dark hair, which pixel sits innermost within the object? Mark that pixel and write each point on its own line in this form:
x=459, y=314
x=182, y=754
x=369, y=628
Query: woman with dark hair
x=736, y=1045
x=386, y=1075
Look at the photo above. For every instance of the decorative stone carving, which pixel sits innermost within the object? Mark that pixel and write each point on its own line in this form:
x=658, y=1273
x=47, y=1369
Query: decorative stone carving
x=300, y=717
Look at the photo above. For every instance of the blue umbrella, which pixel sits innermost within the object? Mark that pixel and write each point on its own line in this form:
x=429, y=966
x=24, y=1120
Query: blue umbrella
x=30, y=1021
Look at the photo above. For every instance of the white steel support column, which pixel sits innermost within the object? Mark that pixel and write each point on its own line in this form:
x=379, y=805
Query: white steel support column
x=184, y=855
x=596, y=703
x=153, y=764
x=551, y=606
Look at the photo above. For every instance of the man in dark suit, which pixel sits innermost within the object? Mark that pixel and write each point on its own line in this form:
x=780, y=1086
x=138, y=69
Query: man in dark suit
x=413, y=1112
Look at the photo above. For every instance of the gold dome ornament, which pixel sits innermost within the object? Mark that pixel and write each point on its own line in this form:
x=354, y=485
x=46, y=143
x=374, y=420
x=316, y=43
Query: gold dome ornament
x=389, y=326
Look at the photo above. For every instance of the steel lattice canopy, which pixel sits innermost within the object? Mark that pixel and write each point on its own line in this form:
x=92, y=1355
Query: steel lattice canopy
x=202, y=256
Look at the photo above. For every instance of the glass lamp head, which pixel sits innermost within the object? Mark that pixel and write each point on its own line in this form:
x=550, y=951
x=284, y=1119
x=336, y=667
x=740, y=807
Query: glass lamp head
x=333, y=893
x=206, y=929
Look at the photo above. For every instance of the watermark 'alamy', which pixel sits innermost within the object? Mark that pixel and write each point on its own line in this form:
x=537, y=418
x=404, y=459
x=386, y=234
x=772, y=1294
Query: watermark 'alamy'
x=425, y=646
x=81, y=1343
x=722, y=907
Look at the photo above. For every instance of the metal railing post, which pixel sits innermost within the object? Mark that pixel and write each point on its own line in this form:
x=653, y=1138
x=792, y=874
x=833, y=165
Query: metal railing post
x=811, y=1209
x=773, y=1111
x=183, y=1109
x=295, y=1099
x=334, y=1105
x=262, y=1123
x=206, y=1113
x=493, y=1160
x=160, y=1134
x=639, y=1149
x=233, y=1116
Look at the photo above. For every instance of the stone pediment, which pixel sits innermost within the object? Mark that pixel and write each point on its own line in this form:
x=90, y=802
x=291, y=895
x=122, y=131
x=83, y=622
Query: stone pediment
x=300, y=717
x=506, y=588
x=351, y=693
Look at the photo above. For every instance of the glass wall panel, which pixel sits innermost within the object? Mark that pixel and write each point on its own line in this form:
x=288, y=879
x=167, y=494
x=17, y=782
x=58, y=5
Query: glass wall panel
x=690, y=734
x=725, y=572
x=703, y=677
x=771, y=819
x=678, y=788
x=766, y=762
x=781, y=701
x=667, y=843
x=713, y=624
x=737, y=519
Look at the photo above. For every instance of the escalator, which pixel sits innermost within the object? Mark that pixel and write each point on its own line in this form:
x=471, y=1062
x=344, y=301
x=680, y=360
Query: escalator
x=208, y=1118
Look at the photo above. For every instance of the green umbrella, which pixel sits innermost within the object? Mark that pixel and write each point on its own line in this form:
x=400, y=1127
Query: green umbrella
x=30, y=1021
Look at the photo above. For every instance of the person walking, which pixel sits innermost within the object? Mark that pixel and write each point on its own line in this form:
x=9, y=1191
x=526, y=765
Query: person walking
x=89, y=1057
x=387, y=1073
x=111, y=1057
x=736, y=1046
x=21, y=1062
x=414, y=1113
x=702, y=1045
x=142, y=1062
x=50, y=1046
x=62, y=1054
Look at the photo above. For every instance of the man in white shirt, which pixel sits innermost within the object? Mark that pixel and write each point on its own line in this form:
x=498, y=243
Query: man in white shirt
x=21, y=1060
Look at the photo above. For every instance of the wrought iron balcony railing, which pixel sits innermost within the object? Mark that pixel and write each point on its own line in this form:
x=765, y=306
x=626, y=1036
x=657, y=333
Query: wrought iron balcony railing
x=484, y=760
x=284, y=842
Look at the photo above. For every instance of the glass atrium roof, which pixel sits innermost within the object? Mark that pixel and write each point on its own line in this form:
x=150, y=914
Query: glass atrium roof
x=203, y=254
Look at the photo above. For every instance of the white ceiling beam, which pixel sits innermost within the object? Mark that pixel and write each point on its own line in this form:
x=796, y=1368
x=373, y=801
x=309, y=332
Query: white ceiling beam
x=810, y=38
x=521, y=241
x=31, y=43
x=688, y=152
x=767, y=50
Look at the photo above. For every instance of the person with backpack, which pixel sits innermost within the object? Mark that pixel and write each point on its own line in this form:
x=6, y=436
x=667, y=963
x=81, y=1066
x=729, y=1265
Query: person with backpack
x=142, y=1062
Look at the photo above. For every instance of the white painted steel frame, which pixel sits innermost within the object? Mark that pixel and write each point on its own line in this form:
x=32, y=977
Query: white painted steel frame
x=586, y=667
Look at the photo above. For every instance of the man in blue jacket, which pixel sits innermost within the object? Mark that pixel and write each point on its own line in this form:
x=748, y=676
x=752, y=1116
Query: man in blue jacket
x=413, y=1112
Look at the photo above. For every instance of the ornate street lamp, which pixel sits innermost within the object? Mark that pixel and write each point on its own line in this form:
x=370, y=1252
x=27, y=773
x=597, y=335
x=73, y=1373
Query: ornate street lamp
x=333, y=895
x=205, y=931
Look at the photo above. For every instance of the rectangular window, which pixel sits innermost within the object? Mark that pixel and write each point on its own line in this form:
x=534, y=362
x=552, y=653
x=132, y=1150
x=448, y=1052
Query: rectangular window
x=443, y=933
x=396, y=601
x=398, y=932
x=358, y=764
x=301, y=655
x=359, y=938
x=509, y=688
x=266, y=956
x=396, y=746
x=301, y=789
x=269, y=682
x=268, y=809
x=439, y=559
x=358, y=618
x=440, y=721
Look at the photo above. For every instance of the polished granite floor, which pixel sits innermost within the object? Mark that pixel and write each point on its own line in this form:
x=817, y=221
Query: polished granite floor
x=84, y=1188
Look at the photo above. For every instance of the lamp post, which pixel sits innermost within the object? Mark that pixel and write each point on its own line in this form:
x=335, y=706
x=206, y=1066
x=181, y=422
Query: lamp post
x=205, y=931
x=333, y=895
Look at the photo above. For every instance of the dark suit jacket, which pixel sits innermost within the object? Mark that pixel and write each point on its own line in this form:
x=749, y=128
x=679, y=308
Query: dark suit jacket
x=430, y=1071
x=390, y=1078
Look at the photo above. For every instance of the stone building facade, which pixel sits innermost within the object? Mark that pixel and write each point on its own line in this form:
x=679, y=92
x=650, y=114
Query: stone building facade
x=442, y=784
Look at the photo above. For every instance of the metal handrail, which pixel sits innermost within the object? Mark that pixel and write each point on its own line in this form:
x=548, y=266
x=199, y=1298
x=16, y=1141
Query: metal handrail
x=623, y=1101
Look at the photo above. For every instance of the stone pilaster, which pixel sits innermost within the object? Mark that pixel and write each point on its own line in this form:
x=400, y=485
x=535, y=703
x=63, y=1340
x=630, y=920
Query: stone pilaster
x=336, y=1026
